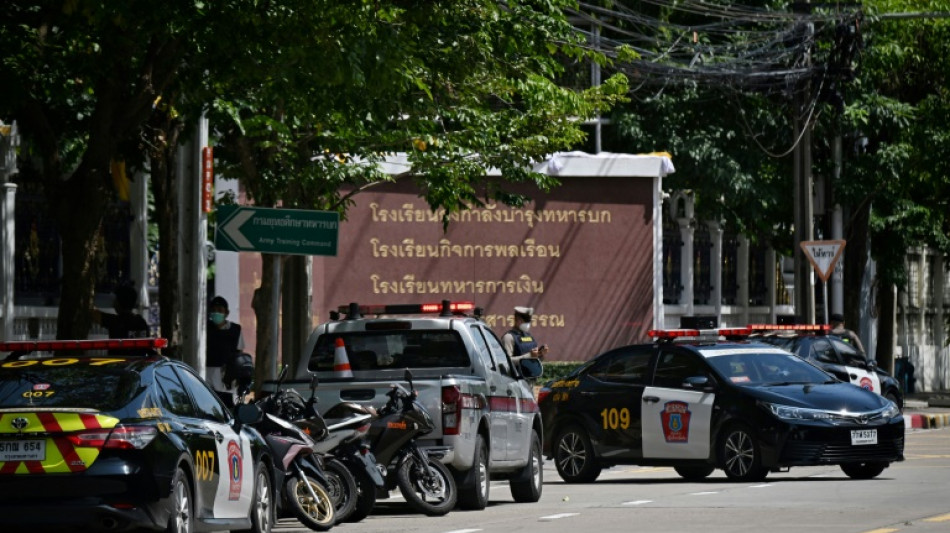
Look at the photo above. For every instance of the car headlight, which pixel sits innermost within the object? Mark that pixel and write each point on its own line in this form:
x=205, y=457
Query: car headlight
x=891, y=410
x=787, y=412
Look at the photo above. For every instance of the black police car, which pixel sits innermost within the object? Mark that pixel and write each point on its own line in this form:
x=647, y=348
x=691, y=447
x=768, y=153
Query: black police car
x=695, y=402
x=815, y=343
x=118, y=443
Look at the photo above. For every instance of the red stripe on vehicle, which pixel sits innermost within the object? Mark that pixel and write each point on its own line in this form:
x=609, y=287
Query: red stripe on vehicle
x=9, y=467
x=89, y=421
x=35, y=467
x=49, y=422
x=70, y=457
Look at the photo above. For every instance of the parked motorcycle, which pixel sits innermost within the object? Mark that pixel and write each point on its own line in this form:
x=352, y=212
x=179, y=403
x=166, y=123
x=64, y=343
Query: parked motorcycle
x=305, y=481
x=347, y=425
x=421, y=477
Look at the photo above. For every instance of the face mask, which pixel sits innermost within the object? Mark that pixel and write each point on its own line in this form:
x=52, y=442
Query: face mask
x=524, y=326
x=217, y=318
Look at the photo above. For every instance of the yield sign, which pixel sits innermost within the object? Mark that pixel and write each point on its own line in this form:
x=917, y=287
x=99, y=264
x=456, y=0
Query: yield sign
x=823, y=256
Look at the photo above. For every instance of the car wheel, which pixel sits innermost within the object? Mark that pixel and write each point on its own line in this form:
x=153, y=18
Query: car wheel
x=473, y=493
x=262, y=507
x=182, y=505
x=863, y=470
x=526, y=487
x=739, y=455
x=574, y=456
x=892, y=396
x=694, y=473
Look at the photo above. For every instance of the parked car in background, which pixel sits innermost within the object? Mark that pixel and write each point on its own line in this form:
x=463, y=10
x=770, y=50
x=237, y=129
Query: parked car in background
x=815, y=344
x=700, y=400
x=97, y=442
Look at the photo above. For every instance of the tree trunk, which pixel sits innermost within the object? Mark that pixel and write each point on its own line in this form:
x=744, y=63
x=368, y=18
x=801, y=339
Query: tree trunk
x=855, y=262
x=79, y=205
x=264, y=309
x=884, y=354
x=163, y=156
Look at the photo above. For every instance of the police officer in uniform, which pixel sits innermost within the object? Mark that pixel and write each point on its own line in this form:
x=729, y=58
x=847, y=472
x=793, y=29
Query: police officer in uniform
x=518, y=342
x=224, y=341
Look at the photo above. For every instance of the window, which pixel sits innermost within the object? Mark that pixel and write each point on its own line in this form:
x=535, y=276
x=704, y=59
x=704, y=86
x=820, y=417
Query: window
x=674, y=367
x=822, y=352
x=174, y=398
x=392, y=349
x=207, y=402
x=628, y=367
x=850, y=355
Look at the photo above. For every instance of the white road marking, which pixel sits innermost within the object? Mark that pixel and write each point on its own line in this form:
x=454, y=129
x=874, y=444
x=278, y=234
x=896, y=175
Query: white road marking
x=557, y=516
x=463, y=531
x=760, y=486
x=637, y=502
x=704, y=493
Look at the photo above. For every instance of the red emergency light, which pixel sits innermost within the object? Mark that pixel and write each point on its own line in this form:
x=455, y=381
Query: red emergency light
x=802, y=328
x=87, y=344
x=445, y=306
x=665, y=334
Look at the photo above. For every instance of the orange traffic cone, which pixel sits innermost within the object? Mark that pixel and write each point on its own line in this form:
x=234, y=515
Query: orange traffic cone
x=341, y=363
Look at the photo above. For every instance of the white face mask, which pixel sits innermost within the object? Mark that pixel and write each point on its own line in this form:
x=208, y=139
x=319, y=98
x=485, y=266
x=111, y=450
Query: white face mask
x=524, y=326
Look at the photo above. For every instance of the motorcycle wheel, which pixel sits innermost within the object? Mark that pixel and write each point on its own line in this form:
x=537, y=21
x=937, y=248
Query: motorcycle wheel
x=342, y=488
x=366, y=498
x=430, y=488
x=317, y=515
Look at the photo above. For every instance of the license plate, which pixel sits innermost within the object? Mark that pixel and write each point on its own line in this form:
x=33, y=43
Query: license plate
x=863, y=436
x=22, y=450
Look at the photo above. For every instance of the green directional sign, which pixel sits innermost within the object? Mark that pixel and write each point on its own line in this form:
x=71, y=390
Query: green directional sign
x=276, y=231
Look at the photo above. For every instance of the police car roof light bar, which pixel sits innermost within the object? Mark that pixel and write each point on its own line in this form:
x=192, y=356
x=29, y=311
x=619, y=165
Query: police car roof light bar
x=444, y=308
x=820, y=329
x=670, y=334
x=89, y=344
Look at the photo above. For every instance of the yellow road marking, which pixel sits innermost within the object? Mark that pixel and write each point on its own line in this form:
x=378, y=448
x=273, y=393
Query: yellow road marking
x=941, y=518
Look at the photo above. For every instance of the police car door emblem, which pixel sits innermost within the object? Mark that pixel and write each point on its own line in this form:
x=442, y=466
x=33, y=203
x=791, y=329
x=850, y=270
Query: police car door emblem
x=19, y=423
x=675, y=418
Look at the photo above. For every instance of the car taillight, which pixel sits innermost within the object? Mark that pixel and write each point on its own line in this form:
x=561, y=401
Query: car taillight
x=543, y=393
x=451, y=410
x=120, y=437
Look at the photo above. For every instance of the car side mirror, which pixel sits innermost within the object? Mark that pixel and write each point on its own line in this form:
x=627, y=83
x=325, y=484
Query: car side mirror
x=531, y=368
x=247, y=413
x=698, y=383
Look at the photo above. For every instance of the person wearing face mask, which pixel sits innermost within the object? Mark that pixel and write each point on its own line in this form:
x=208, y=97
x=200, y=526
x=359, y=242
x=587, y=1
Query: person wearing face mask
x=518, y=342
x=224, y=342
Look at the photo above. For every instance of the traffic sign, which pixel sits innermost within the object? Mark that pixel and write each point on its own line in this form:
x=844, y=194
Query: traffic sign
x=276, y=231
x=823, y=256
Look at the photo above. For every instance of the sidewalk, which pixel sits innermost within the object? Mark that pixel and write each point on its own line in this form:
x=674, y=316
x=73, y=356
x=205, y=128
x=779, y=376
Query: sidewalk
x=927, y=410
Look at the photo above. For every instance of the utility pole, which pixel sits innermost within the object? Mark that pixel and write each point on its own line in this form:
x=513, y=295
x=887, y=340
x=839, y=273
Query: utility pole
x=801, y=169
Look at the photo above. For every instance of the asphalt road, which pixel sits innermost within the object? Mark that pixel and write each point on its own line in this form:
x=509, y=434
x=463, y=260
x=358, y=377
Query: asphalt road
x=911, y=496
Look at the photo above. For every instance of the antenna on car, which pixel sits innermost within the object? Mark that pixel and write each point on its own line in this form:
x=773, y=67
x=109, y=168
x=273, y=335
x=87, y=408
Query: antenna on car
x=353, y=312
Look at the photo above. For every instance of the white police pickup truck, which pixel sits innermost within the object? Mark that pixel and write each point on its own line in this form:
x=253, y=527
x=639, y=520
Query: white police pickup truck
x=483, y=405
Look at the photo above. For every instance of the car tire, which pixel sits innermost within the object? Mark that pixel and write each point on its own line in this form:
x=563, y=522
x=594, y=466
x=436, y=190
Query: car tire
x=526, y=487
x=865, y=470
x=740, y=456
x=892, y=396
x=262, y=505
x=574, y=456
x=182, y=512
x=694, y=473
x=473, y=493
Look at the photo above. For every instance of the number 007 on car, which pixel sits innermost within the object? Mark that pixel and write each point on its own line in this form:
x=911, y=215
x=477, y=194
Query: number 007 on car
x=863, y=436
x=22, y=450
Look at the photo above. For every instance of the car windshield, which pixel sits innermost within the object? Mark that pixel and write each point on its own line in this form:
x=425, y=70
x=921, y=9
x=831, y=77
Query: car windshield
x=751, y=367
x=72, y=383
x=377, y=350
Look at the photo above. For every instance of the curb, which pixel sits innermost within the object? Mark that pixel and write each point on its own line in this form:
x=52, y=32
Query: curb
x=926, y=421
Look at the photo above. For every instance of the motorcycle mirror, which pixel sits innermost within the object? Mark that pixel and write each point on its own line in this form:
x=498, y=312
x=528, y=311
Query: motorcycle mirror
x=408, y=377
x=313, y=382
